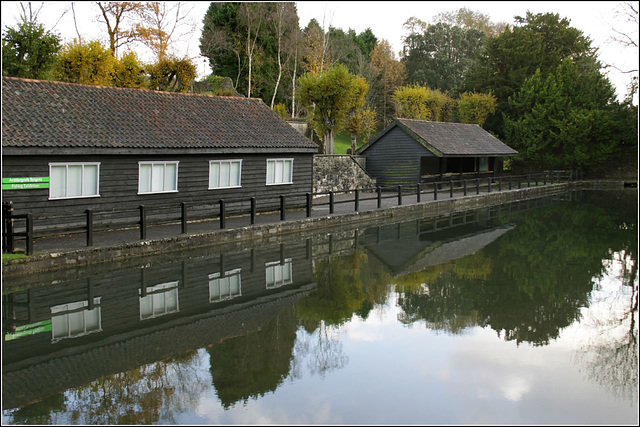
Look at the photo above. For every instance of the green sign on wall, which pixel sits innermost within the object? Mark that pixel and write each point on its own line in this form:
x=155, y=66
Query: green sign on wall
x=27, y=183
x=30, y=329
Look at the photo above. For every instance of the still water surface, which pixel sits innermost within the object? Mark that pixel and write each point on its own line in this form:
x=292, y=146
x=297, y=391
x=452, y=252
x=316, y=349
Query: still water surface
x=527, y=313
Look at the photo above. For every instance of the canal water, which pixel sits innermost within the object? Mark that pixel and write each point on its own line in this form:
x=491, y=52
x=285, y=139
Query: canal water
x=523, y=313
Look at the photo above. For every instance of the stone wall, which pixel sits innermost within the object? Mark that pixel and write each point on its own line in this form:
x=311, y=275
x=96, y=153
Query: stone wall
x=339, y=173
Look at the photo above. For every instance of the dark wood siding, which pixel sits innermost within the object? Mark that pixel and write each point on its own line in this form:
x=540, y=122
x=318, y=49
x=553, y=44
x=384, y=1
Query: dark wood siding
x=395, y=158
x=118, y=186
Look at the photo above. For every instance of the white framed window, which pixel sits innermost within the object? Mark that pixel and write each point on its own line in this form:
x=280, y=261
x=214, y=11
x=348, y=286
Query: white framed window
x=74, y=320
x=279, y=171
x=227, y=287
x=73, y=180
x=157, y=177
x=224, y=173
x=279, y=274
x=160, y=300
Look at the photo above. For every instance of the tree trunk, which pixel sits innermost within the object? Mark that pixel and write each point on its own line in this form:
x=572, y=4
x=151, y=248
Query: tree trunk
x=293, y=91
x=354, y=143
x=328, y=142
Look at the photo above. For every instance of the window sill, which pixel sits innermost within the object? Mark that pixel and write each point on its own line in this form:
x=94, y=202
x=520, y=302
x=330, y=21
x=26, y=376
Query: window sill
x=157, y=192
x=75, y=197
x=224, y=188
x=279, y=183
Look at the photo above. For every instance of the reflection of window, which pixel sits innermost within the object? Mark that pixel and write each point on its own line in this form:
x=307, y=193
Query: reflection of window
x=483, y=164
x=279, y=171
x=74, y=320
x=224, y=173
x=279, y=274
x=67, y=180
x=224, y=288
x=160, y=300
x=157, y=177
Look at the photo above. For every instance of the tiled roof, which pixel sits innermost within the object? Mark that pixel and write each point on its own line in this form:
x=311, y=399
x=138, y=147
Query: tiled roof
x=48, y=114
x=450, y=139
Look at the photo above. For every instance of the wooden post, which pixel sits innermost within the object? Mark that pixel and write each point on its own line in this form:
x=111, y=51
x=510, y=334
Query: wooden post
x=435, y=191
x=309, y=204
x=477, y=185
x=510, y=186
x=379, y=191
x=222, y=213
x=89, y=227
x=489, y=185
x=418, y=192
x=357, y=200
x=143, y=223
x=330, y=202
x=29, y=248
x=282, y=208
x=253, y=210
x=7, y=227
x=499, y=183
x=399, y=195
x=451, y=188
x=183, y=207
x=464, y=187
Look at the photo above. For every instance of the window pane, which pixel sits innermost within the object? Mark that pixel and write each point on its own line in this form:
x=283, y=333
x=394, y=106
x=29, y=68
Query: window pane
x=270, y=276
x=224, y=174
x=157, y=177
x=158, y=303
x=90, y=180
x=271, y=168
x=234, y=179
x=287, y=171
x=278, y=177
x=483, y=164
x=170, y=177
x=145, y=178
x=171, y=300
x=59, y=326
x=214, y=290
x=74, y=180
x=278, y=274
x=76, y=322
x=286, y=272
x=234, y=284
x=224, y=287
x=146, y=308
x=58, y=181
x=92, y=319
x=214, y=173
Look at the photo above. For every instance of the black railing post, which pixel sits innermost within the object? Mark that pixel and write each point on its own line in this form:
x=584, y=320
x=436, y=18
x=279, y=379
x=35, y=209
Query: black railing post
x=183, y=208
x=379, y=191
x=544, y=178
x=418, y=192
x=435, y=191
x=143, y=223
x=570, y=175
x=536, y=175
x=557, y=176
x=510, y=184
x=253, y=210
x=309, y=204
x=29, y=245
x=489, y=185
x=464, y=187
x=528, y=180
x=519, y=182
x=7, y=227
x=499, y=183
x=222, y=213
x=451, y=188
x=330, y=202
x=89, y=227
x=282, y=208
x=399, y=195
x=357, y=200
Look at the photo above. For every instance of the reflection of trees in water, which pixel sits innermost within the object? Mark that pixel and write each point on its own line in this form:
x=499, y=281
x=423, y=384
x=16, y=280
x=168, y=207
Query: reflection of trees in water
x=540, y=273
x=149, y=394
x=608, y=355
x=322, y=351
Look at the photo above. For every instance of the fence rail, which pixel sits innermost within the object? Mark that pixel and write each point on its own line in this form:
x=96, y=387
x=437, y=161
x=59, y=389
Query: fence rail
x=143, y=217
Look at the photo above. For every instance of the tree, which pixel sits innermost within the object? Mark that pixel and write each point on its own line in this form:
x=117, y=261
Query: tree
x=314, y=47
x=29, y=51
x=88, y=63
x=537, y=41
x=468, y=19
x=440, y=54
x=114, y=15
x=568, y=119
x=421, y=103
x=391, y=74
x=159, y=23
x=476, y=107
x=171, y=74
x=330, y=93
x=128, y=71
x=354, y=120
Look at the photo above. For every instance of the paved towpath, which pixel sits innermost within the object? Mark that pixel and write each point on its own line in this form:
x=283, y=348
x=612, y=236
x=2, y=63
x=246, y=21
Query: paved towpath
x=344, y=203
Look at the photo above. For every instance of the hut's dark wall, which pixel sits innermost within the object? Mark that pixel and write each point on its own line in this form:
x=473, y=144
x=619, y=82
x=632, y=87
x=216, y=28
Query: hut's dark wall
x=118, y=183
x=395, y=158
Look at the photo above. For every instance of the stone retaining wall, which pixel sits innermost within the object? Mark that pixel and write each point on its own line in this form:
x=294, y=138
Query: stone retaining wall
x=340, y=173
x=276, y=232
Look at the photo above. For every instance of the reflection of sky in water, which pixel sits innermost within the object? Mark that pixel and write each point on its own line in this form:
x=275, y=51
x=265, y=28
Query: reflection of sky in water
x=475, y=377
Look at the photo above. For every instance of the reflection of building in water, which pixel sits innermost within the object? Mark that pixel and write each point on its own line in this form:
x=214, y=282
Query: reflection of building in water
x=414, y=246
x=64, y=335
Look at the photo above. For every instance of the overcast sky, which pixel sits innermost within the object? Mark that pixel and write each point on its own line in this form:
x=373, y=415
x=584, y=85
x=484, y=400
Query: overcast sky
x=595, y=19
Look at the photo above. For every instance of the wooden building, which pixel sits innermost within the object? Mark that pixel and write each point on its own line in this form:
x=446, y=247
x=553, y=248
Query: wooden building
x=70, y=147
x=412, y=151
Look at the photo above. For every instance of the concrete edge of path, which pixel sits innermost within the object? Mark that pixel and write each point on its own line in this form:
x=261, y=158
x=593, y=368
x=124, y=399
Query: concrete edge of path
x=264, y=233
